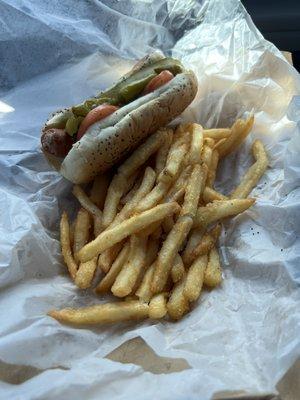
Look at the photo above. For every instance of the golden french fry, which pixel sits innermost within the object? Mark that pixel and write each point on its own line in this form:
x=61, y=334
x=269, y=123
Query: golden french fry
x=179, y=184
x=254, y=173
x=85, y=273
x=99, y=189
x=209, y=142
x=126, y=228
x=108, y=280
x=207, y=242
x=177, y=271
x=206, y=155
x=178, y=305
x=131, y=270
x=211, y=176
x=81, y=230
x=217, y=134
x=193, y=191
x=66, y=245
x=129, y=195
x=196, y=143
x=217, y=210
x=128, y=168
x=144, y=292
x=158, y=306
x=210, y=195
x=182, y=135
x=168, y=252
x=174, y=161
x=194, y=278
x=102, y=313
x=108, y=256
x=239, y=131
x=168, y=224
x=193, y=240
x=162, y=153
x=85, y=202
x=154, y=197
x=213, y=272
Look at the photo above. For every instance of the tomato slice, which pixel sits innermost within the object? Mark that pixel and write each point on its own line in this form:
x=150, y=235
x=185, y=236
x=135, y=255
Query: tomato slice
x=95, y=115
x=158, y=81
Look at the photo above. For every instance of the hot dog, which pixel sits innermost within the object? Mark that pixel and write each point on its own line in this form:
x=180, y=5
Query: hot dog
x=89, y=138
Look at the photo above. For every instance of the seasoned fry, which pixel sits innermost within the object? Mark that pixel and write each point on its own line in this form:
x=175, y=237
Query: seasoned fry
x=177, y=271
x=168, y=252
x=193, y=240
x=109, y=255
x=99, y=190
x=217, y=134
x=85, y=273
x=239, y=131
x=154, y=197
x=85, y=202
x=194, y=279
x=196, y=143
x=66, y=245
x=217, y=210
x=128, y=168
x=162, y=153
x=102, y=313
x=108, y=280
x=178, y=305
x=174, y=161
x=207, y=242
x=81, y=230
x=144, y=292
x=158, y=306
x=254, y=173
x=210, y=195
x=179, y=184
x=126, y=228
x=213, y=169
x=193, y=191
x=130, y=271
x=213, y=272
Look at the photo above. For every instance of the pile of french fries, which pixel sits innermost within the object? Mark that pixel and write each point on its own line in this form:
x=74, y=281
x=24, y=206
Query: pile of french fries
x=152, y=230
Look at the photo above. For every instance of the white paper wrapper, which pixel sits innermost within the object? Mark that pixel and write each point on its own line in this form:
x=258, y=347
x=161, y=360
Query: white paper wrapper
x=242, y=336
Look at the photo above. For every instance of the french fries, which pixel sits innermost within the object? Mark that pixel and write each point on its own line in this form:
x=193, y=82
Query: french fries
x=156, y=241
x=102, y=313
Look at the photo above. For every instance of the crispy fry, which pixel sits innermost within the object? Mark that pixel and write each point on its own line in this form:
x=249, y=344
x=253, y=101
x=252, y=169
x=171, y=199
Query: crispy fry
x=178, y=305
x=158, y=306
x=126, y=228
x=85, y=273
x=162, y=153
x=209, y=142
x=144, y=292
x=108, y=280
x=129, y=195
x=193, y=191
x=193, y=240
x=108, y=256
x=239, y=131
x=217, y=134
x=207, y=242
x=128, y=168
x=130, y=271
x=154, y=197
x=66, y=245
x=177, y=271
x=210, y=195
x=99, y=189
x=254, y=173
x=174, y=161
x=213, y=272
x=206, y=155
x=81, y=230
x=179, y=184
x=85, y=202
x=196, y=143
x=102, y=313
x=217, y=210
x=168, y=252
x=213, y=169
x=194, y=279
x=182, y=134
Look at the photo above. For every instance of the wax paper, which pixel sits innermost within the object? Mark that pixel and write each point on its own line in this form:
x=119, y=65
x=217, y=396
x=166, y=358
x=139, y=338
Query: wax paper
x=243, y=335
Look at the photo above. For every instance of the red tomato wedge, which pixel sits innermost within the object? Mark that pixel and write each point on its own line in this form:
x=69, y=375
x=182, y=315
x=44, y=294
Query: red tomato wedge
x=158, y=81
x=95, y=115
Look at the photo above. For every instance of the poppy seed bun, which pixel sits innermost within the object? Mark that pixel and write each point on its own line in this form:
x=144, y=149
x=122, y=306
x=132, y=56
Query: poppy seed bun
x=107, y=142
